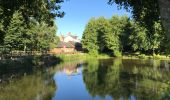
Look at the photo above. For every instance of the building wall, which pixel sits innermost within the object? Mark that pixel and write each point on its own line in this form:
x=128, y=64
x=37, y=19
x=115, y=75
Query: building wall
x=62, y=50
x=68, y=38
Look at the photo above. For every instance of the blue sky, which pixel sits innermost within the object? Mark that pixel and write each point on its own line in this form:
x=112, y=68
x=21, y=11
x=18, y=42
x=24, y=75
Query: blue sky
x=78, y=13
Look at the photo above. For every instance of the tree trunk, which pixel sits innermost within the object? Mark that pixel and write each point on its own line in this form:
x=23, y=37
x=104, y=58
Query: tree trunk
x=25, y=47
x=164, y=6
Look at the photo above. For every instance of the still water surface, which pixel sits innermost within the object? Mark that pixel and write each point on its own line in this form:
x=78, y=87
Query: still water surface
x=104, y=79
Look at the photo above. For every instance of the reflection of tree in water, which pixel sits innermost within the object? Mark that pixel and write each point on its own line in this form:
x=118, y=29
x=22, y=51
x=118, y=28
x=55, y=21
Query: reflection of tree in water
x=98, y=77
x=31, y=87
x=32, y=83
x=145, y=80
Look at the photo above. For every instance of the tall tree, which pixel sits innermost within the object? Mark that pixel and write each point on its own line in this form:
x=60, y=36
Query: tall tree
x=138, y=39
x=144, y=11
x=41, y=10
x=103, y=35
x=95, y=35
x=118, y=25
x=157, y=37
x=89, y=38
x=16, y=36
x=147, y=12
x=103, y=29
x=43, y=36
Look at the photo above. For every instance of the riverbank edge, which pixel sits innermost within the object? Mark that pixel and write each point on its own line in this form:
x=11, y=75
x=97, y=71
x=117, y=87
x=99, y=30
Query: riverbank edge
x=48, y=60
x=83, y=56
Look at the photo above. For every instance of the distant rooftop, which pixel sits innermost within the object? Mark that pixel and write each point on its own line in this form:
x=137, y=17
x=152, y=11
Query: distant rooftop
x=69, y=38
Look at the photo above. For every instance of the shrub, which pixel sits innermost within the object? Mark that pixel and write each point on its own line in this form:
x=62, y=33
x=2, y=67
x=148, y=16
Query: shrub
x=142, y=56
x=159, y=56
x=93, y=53
x=117, y=54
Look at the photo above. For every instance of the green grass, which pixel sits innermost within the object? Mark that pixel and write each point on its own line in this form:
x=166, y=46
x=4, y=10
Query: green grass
x=143, y=56
x=81, y=56
x=84, y=56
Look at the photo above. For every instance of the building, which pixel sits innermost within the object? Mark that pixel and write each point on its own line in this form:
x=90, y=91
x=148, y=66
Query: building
x=68, y=44
x=71, y=38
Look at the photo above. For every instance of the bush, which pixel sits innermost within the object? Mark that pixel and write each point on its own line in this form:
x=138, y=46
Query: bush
x=93, y=53
x=142, y=56
x=117, y=54
x=159, y=56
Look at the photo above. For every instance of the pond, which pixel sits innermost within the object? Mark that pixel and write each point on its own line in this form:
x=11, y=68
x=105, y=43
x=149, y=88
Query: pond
x=92, y=79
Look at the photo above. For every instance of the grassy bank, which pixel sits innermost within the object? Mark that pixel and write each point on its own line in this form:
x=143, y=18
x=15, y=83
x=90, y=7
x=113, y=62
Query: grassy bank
x=143, y=56
x=30, y=63
x=84, y=56
x=81, y=56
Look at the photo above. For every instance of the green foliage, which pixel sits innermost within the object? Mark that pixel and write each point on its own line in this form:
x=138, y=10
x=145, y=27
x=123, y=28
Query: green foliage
x=33, y=36
x=147, y=14
x=120, y=34
x=89, y=38
x=43, y=37
x=29, y=25
x=41, y=10
x=93, y=53
x=144, y=11
x=16, y=36
x=138, y=38
x=142, y=56
x=117, y=54
x=102, y=28
x=94, y=35
x=101, y=34
x=112, y=37
x=157, y=37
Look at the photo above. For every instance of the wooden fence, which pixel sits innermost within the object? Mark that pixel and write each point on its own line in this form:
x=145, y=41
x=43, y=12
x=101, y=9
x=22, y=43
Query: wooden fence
x=19, y=54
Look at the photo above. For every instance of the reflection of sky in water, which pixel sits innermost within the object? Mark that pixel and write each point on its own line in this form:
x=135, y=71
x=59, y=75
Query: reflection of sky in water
x=72, y=87
x=120, y=79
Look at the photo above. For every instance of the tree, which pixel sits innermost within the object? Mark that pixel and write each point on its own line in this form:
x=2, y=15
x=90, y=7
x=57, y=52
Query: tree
x=43, y=36
x=16, y=35
x=89, y=38
x=103, y=29
x=35, y=36
x=118, y=25
x=138, y=39
x=147, y=12
x=121, y=34
x=157, y=37
x=41, y=10
x=95, y=35
x=105, y=35
x=2, y=33
x=124, y=37
x=144, y=11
